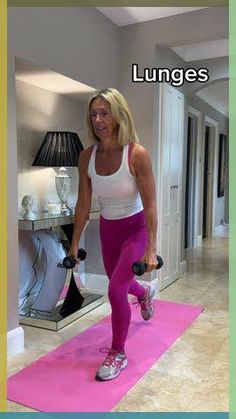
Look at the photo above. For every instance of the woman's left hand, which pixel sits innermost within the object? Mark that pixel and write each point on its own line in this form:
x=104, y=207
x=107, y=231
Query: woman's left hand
x=150, y=259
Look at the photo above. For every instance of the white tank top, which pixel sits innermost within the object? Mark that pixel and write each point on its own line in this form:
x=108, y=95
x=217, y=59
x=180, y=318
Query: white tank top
x=117, y=194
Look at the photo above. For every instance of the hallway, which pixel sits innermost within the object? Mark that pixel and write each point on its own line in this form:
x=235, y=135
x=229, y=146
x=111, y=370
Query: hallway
x=192, y=375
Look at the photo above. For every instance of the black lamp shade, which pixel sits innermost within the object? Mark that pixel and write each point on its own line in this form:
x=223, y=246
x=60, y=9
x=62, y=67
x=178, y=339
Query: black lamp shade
x=59, y=149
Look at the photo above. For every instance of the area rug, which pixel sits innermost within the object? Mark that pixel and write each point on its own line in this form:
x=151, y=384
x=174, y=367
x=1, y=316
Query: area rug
x=63, y=380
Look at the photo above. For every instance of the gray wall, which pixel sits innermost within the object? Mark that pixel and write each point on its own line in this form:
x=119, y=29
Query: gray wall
x=86, y=51
x=218, y=70
x=38, y=111
x=222, y=204
x=138, y=45
x=146, y=45
x=79, y=42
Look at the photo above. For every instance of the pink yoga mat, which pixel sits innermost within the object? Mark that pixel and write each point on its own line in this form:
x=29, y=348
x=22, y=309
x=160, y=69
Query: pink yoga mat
x=63, y=380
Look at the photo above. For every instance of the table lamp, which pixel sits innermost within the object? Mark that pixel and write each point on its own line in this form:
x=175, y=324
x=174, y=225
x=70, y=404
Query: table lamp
x=60, y=149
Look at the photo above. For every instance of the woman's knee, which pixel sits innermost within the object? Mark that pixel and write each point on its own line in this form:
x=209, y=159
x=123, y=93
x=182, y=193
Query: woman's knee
x=117, y=292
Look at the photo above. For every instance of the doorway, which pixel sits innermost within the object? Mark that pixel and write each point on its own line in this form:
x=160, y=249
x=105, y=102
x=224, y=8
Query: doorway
x=190, y=186
x=210, y=165
x=206, y=173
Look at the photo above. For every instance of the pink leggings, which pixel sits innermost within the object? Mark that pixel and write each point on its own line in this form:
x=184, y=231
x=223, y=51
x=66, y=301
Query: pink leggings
x=123, y=243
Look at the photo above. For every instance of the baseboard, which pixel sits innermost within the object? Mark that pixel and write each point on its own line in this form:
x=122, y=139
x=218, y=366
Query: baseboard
x=218, y=230
x=94, y=282
x=221, y=229
x=199, y=240
x=99, y=283
x=15, y=341
x=183, y=267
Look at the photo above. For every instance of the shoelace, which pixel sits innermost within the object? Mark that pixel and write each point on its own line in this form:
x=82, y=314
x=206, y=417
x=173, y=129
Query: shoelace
x=110, y=360
x=143, y=302
x=144, y=305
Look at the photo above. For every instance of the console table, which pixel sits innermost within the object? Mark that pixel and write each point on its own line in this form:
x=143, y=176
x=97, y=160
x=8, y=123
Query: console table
x=76, y=302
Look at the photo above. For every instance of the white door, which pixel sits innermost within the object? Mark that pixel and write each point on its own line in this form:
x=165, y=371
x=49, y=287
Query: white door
x=171, y=138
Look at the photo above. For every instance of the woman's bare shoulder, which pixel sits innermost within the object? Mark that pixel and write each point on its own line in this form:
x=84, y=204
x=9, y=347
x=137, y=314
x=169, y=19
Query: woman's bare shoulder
x=139, y=151
x=85, y=154
x=84, y=158
x=139, y=158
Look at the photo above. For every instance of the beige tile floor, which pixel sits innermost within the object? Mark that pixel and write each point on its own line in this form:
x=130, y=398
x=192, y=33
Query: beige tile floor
x=193, y=374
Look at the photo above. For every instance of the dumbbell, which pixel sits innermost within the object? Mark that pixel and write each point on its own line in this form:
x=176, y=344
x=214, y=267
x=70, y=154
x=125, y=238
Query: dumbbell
x=139, y=268
x=69, y=262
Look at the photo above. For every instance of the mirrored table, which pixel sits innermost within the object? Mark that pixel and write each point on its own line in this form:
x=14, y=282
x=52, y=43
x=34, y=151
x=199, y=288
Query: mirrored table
x=77, y=302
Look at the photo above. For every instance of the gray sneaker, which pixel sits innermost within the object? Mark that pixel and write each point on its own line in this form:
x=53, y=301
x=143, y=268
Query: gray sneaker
x=112, y=365
x=146, y=305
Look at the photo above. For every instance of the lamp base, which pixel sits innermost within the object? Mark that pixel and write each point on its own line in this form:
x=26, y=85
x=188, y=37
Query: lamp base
x=63, y=183
x=65, y=210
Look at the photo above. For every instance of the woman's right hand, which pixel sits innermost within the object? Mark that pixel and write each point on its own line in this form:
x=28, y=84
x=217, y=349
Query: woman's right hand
x=73, y=252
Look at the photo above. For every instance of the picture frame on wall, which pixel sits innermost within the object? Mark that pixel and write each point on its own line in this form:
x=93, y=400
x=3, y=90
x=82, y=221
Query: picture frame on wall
x=221, y=166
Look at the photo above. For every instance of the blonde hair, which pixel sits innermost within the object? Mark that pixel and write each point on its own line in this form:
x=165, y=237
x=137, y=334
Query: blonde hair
x=120, y=112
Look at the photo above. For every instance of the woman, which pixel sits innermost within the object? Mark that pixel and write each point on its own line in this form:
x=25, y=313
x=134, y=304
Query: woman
x=118, y=170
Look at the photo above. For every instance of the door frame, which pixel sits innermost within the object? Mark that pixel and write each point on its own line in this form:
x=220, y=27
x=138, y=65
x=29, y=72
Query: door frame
x=157, y=159
x=158, y=169
x=196, y=169
x=213, y=149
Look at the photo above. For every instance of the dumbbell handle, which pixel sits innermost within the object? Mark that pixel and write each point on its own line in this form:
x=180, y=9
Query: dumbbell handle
x=69, y=262
x=140, y=267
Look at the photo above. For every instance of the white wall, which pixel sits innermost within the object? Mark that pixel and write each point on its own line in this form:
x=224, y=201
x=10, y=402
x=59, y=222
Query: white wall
x=78, y=42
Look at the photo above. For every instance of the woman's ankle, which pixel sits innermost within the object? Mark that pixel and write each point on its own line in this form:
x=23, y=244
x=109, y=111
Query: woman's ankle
x=144, y=295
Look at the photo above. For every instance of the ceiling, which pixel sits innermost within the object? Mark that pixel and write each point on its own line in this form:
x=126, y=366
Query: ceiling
x=122, y=16
x=203, y=50
x=38, y=76
x=216, y=95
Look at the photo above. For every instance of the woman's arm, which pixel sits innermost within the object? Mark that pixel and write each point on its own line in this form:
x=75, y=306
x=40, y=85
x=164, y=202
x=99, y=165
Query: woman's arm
x=83, y=204
x=142, y=168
